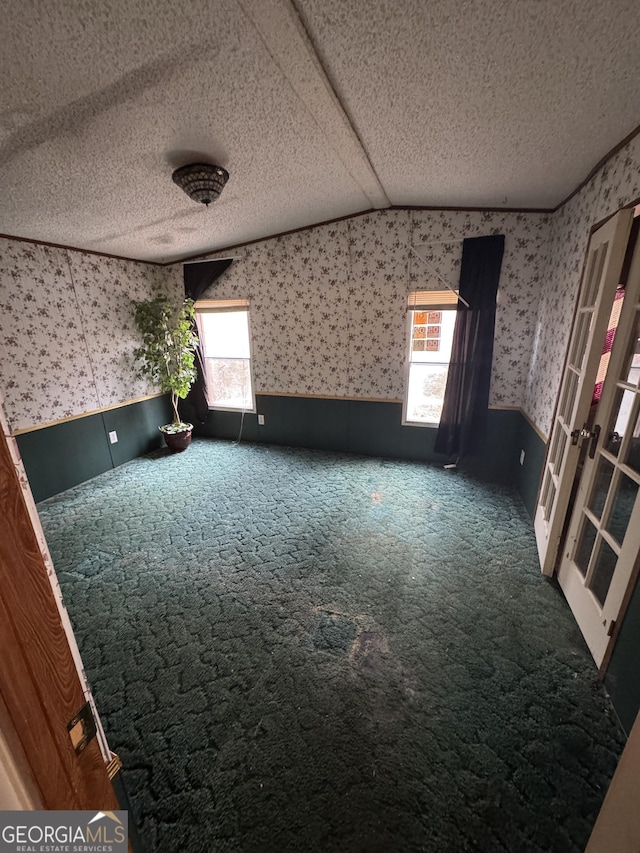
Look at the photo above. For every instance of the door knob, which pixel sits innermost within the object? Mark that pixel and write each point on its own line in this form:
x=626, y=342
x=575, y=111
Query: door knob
x=579, y=435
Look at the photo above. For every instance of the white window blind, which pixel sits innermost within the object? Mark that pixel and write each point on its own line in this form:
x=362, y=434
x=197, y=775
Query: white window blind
x=432, y=300
x=205, y=306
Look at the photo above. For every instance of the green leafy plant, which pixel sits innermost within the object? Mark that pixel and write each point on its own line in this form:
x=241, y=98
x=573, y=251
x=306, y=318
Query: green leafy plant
x=167, y=354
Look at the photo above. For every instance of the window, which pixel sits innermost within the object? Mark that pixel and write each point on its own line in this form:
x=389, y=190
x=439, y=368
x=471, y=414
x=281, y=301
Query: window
x=432, y=318
x=226, y=345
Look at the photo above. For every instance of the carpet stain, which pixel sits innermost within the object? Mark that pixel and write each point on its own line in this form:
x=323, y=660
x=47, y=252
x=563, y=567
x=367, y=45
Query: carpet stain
x=370, y=651
x=333, y=632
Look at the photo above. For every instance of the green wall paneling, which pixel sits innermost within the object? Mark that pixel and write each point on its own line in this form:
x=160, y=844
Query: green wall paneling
x=360, y=426
x=310, y=422
x=495, y=463
x=60, y=456
x=375, y=429
x=137, y=428
x=527, y=475
x=304, y=422
x=63, y=455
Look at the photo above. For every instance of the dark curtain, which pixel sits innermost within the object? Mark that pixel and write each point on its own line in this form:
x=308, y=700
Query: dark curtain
x=198, y=278
x=466, y=400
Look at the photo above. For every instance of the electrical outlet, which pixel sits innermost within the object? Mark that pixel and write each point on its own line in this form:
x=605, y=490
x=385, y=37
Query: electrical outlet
x=522, y=457
x=113, y=437
x=261, y=420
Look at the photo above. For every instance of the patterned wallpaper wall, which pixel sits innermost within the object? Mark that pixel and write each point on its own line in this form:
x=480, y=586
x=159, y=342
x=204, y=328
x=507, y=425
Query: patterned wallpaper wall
x=67, y=331
x=614, y=186
x=328, y=303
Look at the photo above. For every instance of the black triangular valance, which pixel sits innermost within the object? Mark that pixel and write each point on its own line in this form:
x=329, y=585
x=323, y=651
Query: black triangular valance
x=200, y=276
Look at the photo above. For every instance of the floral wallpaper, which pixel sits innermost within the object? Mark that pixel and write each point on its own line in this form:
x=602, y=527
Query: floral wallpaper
x=377, y=298
x=299, y=323
x=40, y=325
x=66, y=330
x=329, y=303
x=104, y=289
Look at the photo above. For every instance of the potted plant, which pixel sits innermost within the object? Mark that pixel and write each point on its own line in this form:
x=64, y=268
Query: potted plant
x=167, y=357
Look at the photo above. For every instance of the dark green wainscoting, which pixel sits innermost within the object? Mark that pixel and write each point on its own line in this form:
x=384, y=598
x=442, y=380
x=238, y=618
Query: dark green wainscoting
x=623, y=674
x=375, y=429
x=65, y=454
x=527, y=475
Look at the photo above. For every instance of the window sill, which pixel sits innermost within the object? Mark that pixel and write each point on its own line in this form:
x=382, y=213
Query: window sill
x=233, y=409
x=428, y=424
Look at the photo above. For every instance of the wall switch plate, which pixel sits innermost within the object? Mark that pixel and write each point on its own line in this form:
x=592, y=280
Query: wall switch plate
x=113, y=437
x=522, y=457
x=261, y=420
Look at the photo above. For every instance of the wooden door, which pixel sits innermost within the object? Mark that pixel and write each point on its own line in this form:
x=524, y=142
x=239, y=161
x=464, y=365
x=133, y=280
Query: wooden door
x=605, y=256
x=603, y=539
x=40, y=688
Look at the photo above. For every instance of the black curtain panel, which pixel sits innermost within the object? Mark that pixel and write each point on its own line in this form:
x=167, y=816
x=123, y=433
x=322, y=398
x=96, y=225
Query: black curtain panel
x=466, y=399
x=198, y=278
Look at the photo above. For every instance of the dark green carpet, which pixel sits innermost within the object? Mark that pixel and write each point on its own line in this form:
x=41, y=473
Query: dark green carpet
x=301, y=651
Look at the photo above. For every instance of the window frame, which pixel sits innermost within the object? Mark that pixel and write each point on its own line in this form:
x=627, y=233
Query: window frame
x=449, y=302
x=226, y=306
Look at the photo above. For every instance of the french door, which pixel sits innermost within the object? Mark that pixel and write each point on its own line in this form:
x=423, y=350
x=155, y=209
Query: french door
x=605, y=256
x=603, y=538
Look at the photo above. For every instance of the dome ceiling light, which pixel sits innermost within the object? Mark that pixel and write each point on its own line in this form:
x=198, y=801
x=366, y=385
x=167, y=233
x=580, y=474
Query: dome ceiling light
x=201, y=181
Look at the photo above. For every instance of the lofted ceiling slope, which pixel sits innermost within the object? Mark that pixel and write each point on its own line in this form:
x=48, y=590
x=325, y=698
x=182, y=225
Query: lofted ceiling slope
x=317, y=108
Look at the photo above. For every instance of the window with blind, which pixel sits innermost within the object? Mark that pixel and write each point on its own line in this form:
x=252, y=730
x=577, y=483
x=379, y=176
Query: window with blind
x=226, y=346
x=431, y=321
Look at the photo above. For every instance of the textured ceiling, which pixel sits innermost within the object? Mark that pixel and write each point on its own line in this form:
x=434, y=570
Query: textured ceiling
x=318, y=110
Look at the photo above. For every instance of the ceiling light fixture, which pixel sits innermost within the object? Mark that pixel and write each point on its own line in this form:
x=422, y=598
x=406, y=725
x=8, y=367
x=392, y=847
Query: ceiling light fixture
x=201, y=181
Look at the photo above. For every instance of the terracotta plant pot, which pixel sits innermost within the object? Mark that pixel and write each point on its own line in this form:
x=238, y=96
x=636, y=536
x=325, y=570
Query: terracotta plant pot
x=177, y=441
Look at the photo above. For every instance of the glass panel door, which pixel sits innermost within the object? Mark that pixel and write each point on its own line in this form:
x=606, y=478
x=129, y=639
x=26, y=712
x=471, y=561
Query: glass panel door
x=605, y=257
x=604, y=533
